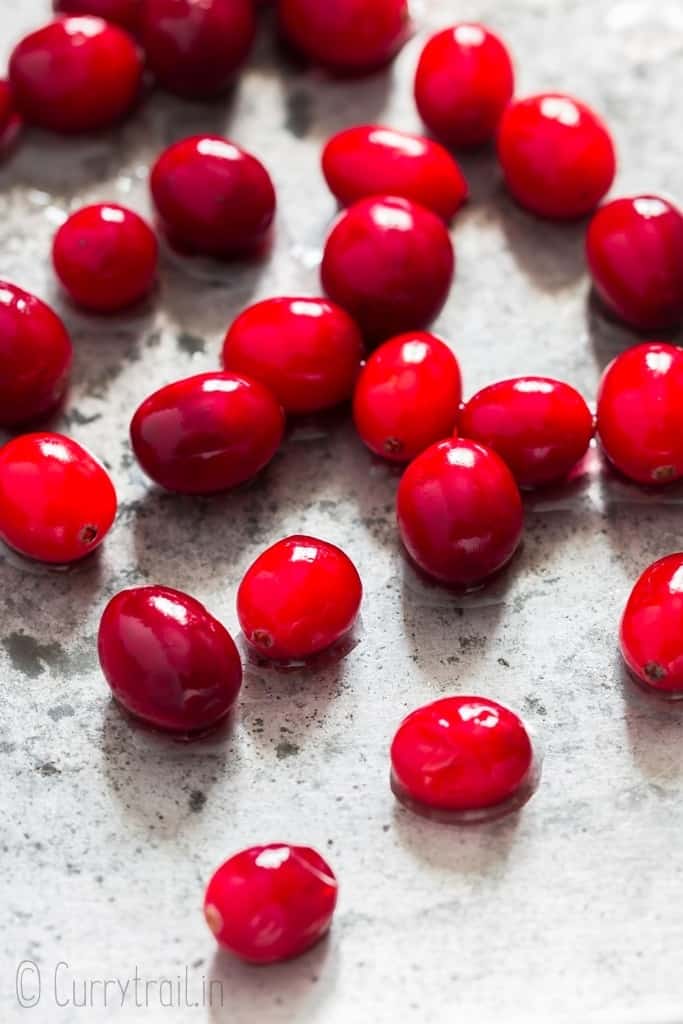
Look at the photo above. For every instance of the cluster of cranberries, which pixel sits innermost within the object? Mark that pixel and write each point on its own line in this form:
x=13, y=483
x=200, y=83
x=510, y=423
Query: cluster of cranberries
x=387, y=269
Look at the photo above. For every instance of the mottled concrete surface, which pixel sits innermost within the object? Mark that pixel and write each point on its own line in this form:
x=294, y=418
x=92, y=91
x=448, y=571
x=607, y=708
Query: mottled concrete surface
x=570, y=911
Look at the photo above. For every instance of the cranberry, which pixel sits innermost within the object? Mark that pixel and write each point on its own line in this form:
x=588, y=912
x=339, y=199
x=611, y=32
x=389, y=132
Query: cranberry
x=10, y=120
x=195, y=47
x=271, y=902
x=105, y=257
x=557, y=155
x=651, y=634
x=634, y=248
x=370, y=160
x=75, y=75
x=464, y=82
x=390, y=263
x=167, y=660
x=459, y=512
x=407, y=396
x=125, y=13
x=307, y=351
x=540, y=427
x=213, y=197
x=640, y=413
x=298, y=598
x=460, y=754
x=35, y=357
x=57, y=502
x=207, y=433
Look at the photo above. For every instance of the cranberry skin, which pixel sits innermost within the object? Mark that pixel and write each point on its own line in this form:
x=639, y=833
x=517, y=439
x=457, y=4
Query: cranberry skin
x=75, y=75
x=35, y=357
x=651, y=634
x=213, y=197
x=271, y=903
x=307, y=351
x=459, y=512
x=464, y=82
x=10, y=121
x=557, y=155
x=299, y=597
x=57, y=502
x=370, y=160
x=125, y=13
x=539, y=426
x=461, y=754
x=389, y=262
x=407, y=396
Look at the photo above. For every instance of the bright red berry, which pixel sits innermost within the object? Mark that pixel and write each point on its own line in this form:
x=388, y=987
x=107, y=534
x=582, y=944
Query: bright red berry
x=557, y=155
x=464, y=82
x=299, y=597
x=213, y=197
x=651, y=634
x=57, y=502
x=75, y=75
x=390, y=263
x=10, y=119
x=407, y=396
x=459, y=512
x=540, y=427
x=35, y=357
x=105, y=257
x=271, y=902
x=125, y=13
x=167, y=660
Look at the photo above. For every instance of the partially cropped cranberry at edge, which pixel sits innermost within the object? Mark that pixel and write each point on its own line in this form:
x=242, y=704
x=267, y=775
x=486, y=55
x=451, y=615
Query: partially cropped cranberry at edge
x=10, y=118
x=125, y=13
x=651, y=633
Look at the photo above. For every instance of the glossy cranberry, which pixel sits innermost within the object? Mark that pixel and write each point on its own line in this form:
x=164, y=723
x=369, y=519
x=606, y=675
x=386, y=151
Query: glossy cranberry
x=460, y=754
x=213, y=197
x=167, y=660
x=557, y=155
x=298, y=598
x=370, y=160
x=10, y=119
x=75, y=75
x=35, y=357
x=57, y=502
x=195, y=47
x=651, y=633
x=640, y=413
x=390, y=263
x=125, y=13
x=271, y=902
x=407, y=396
x=459, y=512
x=105, y=257
x=464, y=82
x=634, y=249
x=540, y=427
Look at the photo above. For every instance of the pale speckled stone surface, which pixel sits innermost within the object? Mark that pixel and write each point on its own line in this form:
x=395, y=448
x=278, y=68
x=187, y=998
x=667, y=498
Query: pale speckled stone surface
x=569, y=911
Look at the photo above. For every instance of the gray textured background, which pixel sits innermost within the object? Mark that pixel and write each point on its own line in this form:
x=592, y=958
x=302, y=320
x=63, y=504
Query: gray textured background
x=570, y=911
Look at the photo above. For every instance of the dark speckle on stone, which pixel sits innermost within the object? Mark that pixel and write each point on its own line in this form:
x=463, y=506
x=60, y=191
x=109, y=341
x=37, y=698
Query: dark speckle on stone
x=77, y=418
x=299, y=113
x=191, y=344
x=197, y=800
x=60, y=711
x=504, y=663
x=6, y=747
x=286, y=749
x=29, y=656
x=47, y=769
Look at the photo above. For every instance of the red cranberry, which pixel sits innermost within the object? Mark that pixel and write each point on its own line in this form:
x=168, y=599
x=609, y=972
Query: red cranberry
x=640, y=413
x=634, y=248
x=299, y=597
x=652, y=625
x=10, y=120
x=271, y=902
x=557, y=155
x=167, y=660
x=459, y=512
x=307, y=351
x=57, y=502
x=540, y=427
x=35, y=357
x=125, y=13
x=75, y=75
x=195, y=47
x=105, y=257
x=407, y=396
x=464, y=82
x=370, y=160
x=207, y=433
x=460, y=754
x=213, y=197
x=390, y=263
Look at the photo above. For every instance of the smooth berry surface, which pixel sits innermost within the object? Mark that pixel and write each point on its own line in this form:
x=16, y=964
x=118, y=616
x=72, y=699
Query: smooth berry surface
x=271, y=902
x=407, y=396
x=167, y=660
x=125, y=13
x=651, y=634
x=57, y=502
x=10, y=119
x=459, y=512
x=299, y=597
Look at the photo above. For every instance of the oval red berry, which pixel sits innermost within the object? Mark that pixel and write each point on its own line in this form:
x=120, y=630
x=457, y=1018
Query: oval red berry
x=651, y=634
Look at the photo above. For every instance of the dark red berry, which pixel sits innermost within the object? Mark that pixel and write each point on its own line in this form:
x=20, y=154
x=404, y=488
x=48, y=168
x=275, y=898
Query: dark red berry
x=651, y=633
x=10, y=119
x=125, y=13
